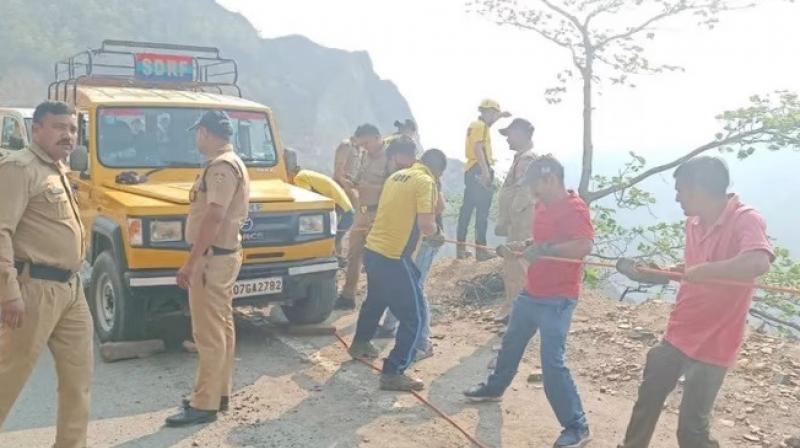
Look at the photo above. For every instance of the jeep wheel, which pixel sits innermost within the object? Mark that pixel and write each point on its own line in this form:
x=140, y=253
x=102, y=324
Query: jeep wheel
x=318, y=304
x=118, y=316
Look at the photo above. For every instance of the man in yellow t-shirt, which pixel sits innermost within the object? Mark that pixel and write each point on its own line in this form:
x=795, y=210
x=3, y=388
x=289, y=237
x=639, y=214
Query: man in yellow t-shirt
x=406, y=211
x=324, y=185
x=478, y=188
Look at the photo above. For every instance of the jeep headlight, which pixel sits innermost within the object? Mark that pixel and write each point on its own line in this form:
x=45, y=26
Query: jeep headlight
x=312, y=225
x=166, y=231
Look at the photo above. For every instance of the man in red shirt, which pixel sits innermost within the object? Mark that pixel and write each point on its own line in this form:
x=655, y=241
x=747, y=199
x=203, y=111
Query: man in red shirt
x=725, y=240
x=561, y=228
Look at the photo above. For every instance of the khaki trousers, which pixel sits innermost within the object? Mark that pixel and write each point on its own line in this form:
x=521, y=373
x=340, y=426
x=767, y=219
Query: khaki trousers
x=211, y=307
x=56, y=315
x=357, y=239
x=514, y=270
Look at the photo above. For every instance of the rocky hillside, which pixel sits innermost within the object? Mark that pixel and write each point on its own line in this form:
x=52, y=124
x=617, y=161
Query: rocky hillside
x=319, y=94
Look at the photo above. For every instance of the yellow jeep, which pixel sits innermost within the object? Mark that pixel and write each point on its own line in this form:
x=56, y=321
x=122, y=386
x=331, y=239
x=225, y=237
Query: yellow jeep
x=133, y=169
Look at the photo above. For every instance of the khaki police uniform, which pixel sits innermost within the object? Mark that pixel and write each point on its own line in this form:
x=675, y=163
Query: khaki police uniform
x=515, y=219
x=224, y=182
x=374, y=169
x=348, y=157
x=42, y=244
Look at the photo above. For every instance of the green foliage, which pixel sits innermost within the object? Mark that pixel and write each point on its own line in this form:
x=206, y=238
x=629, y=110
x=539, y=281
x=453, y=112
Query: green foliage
x=661, y=243
x=629, y=196
x=785, y=272
x=770, y=122
x=607, y=41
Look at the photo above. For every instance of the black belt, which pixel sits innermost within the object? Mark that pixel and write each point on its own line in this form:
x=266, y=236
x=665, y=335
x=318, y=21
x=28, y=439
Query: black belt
x=214, y=250
x=220, y=251
x=42, y=272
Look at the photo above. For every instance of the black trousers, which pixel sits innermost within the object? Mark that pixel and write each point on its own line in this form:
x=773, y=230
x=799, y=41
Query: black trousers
x=665, y=365
x=477, y=198
x=393, y=284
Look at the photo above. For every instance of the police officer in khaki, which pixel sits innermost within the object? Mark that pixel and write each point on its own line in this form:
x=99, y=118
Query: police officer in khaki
x=41, y=249
x=373, y=170
x=219, y=205
x=346, y=164
x=515, y=207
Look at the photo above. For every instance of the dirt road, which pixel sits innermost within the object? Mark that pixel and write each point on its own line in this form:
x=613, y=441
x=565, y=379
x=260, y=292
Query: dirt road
x=305, y=392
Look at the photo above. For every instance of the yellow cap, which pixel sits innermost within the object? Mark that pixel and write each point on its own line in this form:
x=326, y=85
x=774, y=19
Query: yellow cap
x=490, y=104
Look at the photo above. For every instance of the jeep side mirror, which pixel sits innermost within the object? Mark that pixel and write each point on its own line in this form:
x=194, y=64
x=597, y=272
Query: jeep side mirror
x=79, y=159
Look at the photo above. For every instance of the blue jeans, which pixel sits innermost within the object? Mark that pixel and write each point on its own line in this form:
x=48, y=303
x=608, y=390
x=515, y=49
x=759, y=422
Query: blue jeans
x=552, y=317
x=393, y=284
x=425, y=256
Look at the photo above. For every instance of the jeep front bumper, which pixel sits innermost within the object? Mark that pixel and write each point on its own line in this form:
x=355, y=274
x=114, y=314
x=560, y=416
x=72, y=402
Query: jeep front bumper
x=296, y=277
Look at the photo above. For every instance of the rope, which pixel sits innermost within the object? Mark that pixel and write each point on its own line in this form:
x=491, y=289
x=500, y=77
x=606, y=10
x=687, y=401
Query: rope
x=421, y=399
x=675, y=276
x=672, y=275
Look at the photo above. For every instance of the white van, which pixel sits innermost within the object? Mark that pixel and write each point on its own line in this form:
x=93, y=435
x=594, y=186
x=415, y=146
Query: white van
x=15, y=128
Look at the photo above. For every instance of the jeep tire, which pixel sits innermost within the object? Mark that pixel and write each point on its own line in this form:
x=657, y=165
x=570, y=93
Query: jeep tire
x=117, y=314
x=318, y=303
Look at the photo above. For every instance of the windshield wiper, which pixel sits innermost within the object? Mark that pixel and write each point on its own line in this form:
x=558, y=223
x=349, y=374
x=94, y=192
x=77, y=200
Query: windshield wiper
x=134, y=178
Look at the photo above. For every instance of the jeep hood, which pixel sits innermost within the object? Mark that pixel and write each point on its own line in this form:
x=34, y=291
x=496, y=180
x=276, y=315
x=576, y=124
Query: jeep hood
x=273, y=190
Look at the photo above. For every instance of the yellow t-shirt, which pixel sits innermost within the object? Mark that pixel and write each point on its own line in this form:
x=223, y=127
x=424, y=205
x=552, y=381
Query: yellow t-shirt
x=406, y=194
x=478, y=132
x=324, y=185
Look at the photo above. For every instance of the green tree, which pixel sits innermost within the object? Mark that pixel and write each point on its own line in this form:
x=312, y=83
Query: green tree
x=603, y=54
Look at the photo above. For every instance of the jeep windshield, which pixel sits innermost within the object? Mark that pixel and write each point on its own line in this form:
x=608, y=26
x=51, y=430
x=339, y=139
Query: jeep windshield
x=157, y=137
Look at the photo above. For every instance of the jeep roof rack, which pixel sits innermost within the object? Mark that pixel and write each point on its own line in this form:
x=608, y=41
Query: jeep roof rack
x=148, y=65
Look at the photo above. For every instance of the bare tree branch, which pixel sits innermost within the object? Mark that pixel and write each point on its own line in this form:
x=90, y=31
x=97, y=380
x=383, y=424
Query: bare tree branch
x=765, y=316
x=609, y=7
x=595, y=195
x=564, y=13
x=636, y=29
x=575, y=60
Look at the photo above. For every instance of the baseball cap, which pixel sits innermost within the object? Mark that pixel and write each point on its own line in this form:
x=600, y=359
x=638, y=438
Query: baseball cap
x=490, y=104
x=216, y=121
x=518, y=123
x=544, y=166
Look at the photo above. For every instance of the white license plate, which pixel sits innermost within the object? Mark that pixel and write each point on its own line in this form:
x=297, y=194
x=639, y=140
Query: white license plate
x=257, y=287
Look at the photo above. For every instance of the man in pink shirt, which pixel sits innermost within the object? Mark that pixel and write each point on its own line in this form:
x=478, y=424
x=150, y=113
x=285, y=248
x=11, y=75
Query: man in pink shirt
x=725, y=240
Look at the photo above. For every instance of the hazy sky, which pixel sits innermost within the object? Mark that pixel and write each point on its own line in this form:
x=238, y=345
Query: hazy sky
x=444, y=60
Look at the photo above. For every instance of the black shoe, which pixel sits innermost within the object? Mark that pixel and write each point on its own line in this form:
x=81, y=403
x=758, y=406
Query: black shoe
x=223, y=404
x=481, y=392
x=191, y=416
x=343, y=303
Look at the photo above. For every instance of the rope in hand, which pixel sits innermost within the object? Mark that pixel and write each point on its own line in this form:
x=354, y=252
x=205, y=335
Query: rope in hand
x=675, y=276
x=421, y=399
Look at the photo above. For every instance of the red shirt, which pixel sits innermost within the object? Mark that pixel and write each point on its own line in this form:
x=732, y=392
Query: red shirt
x=559, y=222
x=708, y=321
